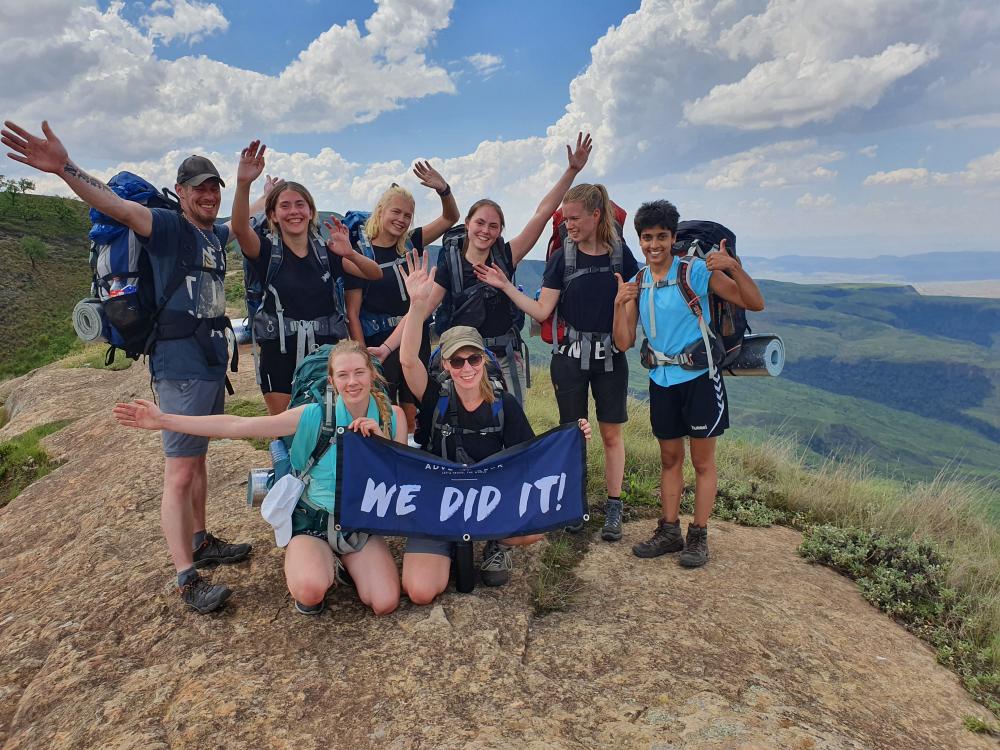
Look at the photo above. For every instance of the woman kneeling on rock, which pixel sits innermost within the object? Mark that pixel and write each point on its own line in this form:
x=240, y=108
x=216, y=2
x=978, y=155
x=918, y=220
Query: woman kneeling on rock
x=312, y=560
x=475, y=432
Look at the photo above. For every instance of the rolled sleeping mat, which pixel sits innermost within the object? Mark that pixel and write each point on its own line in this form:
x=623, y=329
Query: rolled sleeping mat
x=761, y=354
x=88, y=320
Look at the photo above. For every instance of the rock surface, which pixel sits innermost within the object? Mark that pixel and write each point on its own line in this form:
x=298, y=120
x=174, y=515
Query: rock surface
x=757, y=650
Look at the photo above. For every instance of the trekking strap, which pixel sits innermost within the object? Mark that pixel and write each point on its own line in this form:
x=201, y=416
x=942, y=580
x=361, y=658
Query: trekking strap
x=694, y=303
x=446, y=422
x=652, y=285
x=511, y=342
x=396, y=265
x=571, y=273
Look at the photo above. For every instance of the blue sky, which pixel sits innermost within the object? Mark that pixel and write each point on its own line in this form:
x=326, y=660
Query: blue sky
x=849, y=127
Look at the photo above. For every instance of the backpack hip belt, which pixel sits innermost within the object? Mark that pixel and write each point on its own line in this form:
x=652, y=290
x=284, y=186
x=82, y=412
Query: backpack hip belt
x=587, y=340
x=373, y=323
x=267, y=327
x=201, y=330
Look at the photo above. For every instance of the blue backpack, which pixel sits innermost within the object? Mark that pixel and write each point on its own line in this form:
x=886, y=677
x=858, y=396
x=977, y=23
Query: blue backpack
x=371, y=322
x=123, y=308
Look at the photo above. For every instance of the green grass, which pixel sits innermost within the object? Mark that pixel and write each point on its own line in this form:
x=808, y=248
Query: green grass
x=22, y=460
x=92, y=356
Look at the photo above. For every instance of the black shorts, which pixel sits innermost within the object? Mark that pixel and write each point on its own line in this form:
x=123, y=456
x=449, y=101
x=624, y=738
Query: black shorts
x=276, y=369
x=610, y=389
x=399, y=392
x=697, y=408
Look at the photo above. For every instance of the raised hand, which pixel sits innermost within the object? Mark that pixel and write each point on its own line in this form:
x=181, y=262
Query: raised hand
x=429, y=177
x=272, y=183
x=339, y=242
x=251, y=163
x=142, y=414
x=491, y=275
x=628, y=291
x=577, y=157
x=44, y=154
x=720, y=260
x=419, y=281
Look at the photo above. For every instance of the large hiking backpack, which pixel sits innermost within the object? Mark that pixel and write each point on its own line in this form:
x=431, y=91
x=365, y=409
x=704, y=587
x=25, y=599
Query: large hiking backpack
x=123, y=309
x=465, y=305
x=557, y=240
x=723, y=336
x=445, y=417
x=265, y=326
x=374, y=323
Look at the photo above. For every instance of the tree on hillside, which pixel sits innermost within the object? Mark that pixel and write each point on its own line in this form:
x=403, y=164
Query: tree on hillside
x=14, y=187
x=35, y=249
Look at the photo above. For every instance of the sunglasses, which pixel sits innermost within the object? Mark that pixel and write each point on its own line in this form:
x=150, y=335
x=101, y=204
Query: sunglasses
x=459, y=362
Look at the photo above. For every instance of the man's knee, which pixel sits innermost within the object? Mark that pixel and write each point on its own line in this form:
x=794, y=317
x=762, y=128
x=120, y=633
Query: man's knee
x=181, y=473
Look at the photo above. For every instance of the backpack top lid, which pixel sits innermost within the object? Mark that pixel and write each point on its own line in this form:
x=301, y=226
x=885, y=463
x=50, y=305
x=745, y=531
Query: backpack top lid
x=709, y=234
x=130, y=187
x=556, y=240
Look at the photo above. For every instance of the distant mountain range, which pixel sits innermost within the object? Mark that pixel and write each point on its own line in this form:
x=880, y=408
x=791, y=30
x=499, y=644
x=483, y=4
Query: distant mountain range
x=943, y=266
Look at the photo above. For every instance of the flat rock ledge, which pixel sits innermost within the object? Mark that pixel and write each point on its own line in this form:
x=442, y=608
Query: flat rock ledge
x=759, y=649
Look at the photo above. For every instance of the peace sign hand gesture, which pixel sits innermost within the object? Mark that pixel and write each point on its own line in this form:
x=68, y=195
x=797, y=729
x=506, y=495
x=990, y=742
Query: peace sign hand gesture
x=578, y=157
x=44, y=154
x=251, y=163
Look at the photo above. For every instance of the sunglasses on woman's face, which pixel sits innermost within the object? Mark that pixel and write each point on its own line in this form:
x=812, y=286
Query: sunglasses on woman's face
x=457, y=363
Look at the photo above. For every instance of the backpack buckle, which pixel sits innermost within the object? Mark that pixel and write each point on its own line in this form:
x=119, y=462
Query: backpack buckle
x=446, y=429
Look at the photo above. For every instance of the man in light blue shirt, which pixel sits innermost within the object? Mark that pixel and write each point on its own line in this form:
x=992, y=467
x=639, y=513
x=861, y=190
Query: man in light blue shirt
x=683, y=402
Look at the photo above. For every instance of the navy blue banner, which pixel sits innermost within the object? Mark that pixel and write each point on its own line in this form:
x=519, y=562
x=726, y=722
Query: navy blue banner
x=394, y=490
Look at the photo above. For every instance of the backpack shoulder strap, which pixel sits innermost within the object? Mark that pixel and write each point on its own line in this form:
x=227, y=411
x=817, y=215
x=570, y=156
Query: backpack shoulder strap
x=455, y=267
x=617, y=255
x=569, y=260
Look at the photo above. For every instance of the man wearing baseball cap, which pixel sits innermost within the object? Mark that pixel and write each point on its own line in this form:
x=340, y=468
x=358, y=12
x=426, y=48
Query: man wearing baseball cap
x=189, y=357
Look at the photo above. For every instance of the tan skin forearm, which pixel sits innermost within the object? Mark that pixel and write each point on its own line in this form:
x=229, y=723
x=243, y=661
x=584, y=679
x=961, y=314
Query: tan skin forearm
x=240, y=221
x=229, y=426
x=352, y=299
x=414, y=372
x=363, y=267
x=623, y=329
x=520, y=245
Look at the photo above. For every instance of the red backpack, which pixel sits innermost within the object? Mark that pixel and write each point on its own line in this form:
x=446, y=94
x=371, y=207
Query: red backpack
x=555, y=243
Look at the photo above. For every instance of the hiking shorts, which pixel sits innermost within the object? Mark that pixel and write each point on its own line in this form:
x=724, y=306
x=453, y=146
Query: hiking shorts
x=192, y=398
x=610, y=389
x=312, y=522
x=697, y=408
x=276, y=369
x=429, y=546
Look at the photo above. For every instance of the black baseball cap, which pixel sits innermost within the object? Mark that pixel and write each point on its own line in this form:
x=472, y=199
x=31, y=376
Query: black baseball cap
x=195, y=170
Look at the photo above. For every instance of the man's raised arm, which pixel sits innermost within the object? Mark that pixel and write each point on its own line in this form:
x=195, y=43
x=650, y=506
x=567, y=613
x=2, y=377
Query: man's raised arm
x=48, y=154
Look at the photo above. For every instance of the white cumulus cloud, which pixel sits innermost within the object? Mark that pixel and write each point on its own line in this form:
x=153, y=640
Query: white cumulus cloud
x=188, y=20
x=906, y=176
x=485, y=64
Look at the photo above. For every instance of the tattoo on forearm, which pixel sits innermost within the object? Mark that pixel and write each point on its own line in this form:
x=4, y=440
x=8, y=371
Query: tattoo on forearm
x=71, y=170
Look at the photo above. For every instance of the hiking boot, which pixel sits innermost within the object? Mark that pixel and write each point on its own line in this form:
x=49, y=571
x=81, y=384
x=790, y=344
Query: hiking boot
x=612, y=530
x=497, y=564
x=574, y=528
x=202, y=596
x=695, y=553
x=214, y=550
x=666, y=539
x=310, y=609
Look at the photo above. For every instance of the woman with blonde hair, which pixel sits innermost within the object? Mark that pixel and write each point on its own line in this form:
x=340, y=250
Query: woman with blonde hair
x=474, y=431
x=312, y=558
x=580, y=285
x=376, y=308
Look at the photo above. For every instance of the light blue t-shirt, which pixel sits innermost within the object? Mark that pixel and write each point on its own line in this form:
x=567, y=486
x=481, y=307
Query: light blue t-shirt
x=322, y=486
x=200, y=295
x=676, y=326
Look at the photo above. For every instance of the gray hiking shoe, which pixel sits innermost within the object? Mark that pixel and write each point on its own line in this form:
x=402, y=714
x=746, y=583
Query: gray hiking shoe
x=612, y=529
x=695, y=553
x=497, y=564
x=214, y=550
x=309, y=609
x=666, y=539
x=202, y=596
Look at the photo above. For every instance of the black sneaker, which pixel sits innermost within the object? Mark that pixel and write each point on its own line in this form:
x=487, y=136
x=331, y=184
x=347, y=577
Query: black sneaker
x=310, y=609
x=612, y=530
x=340, y=573
x=574, y=528
x=666, y=539
x=214, y=550
x=497, y=564
x=204, y=597
x=695, y=553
